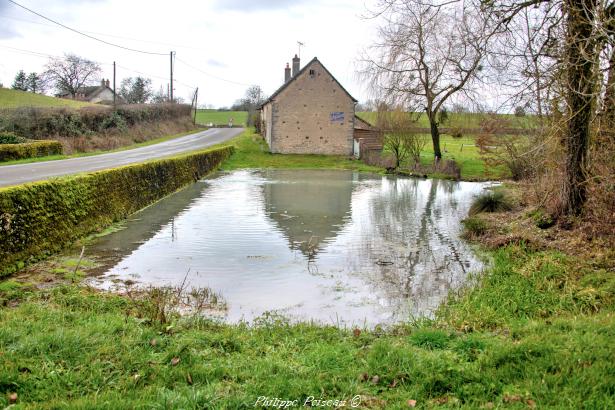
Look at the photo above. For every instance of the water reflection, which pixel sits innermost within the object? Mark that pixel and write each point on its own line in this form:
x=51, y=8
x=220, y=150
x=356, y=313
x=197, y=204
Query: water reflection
x=332, y=246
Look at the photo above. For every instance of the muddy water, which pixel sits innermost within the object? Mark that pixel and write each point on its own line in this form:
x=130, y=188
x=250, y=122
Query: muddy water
x=337, y=247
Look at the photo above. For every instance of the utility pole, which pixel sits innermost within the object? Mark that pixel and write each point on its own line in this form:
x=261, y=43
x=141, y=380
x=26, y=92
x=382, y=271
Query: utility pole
x=196, y=103
x=171, y=86
x=114, y=100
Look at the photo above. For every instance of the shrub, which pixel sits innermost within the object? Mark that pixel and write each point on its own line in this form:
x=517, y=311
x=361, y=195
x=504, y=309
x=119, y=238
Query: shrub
x=541, y=219
x=10, y=138
x=41, y=218
x=456, y=132
x=474, y=227
x=10, y=152
x=492, y=201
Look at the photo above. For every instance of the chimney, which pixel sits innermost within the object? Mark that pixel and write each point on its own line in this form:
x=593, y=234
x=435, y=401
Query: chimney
x=107, y=83
x=102, y=82
x=286, y=73
x=295, y=65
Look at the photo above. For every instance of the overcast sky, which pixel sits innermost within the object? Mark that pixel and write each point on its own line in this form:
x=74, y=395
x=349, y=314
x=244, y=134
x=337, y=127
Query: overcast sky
x=243, y=41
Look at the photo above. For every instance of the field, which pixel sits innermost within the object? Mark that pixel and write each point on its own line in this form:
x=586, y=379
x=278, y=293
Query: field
x=221, y=117
x=15, y=99
x=462, y=120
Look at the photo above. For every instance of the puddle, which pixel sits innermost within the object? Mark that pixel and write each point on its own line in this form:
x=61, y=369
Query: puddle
x=336, y=247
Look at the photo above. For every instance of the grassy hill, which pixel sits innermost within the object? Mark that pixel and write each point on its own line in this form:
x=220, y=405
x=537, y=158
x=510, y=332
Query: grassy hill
x=221, y=117
x=14, y=99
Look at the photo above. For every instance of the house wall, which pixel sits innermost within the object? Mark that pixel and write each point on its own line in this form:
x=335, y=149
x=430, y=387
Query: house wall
x=313, y=115
x=266, y=117
x=104, y=95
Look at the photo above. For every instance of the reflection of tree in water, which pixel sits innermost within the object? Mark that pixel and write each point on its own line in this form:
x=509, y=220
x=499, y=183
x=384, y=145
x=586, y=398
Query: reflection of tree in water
x=413, y=239
x=310, y=207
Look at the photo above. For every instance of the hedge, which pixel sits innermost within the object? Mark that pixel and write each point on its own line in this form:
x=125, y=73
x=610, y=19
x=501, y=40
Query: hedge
x=44, y=122
x=9, y=152
x=42, y=218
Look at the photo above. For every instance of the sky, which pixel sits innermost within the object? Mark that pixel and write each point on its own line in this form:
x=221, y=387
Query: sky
x=222, y=46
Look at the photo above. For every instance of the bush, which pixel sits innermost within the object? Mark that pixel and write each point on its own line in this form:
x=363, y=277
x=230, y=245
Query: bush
x=492, y=201
x=541, y=219
x=10, y=138
x=10, y=152
x=41, y=218
x=456, y=132
x=41, y=123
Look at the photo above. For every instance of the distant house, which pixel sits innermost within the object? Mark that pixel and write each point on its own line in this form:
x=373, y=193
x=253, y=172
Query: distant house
x=95, y=94
x=311, y=113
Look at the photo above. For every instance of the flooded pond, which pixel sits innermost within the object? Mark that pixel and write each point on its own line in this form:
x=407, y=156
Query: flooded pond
x=337, y=247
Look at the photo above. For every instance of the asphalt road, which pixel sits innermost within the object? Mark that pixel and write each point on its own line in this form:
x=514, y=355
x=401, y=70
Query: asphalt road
x=36, y=171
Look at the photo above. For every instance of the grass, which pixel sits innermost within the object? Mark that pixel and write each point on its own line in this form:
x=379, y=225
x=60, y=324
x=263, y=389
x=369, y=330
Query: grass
x=461, y=120
x=15, y=99
x=92, y=153
x=491, y=201
x=251, y=151
x=221, y=117
x=549, y=345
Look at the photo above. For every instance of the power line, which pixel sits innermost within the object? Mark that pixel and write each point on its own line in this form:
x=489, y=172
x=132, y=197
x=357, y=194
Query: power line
x=84, y=34
x=211, y=75
x=106, y=34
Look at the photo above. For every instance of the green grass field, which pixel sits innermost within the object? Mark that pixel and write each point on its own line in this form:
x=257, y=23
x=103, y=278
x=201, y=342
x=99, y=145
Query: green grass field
x=15, y=98
x=221, y=117
x=463, y=120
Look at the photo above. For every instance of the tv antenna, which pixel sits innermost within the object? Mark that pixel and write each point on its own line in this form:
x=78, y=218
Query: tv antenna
x=300, y=44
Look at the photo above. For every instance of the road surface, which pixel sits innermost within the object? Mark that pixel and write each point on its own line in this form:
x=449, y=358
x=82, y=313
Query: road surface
x=36, y=171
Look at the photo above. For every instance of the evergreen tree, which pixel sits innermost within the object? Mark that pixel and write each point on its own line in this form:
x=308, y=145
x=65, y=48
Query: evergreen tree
x=21, y=81
x=35, y=83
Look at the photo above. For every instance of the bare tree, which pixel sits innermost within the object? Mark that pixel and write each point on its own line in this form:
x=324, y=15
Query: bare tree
x=70, y=73
x=426, y=54
x=584, y=32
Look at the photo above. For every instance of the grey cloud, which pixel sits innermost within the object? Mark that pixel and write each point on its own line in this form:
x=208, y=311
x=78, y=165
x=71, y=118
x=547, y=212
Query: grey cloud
x=257, y=5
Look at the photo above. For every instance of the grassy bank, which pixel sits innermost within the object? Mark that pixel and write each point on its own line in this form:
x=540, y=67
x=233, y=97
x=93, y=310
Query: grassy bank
x=548, y=345
x=15, y=99
x=251, y=151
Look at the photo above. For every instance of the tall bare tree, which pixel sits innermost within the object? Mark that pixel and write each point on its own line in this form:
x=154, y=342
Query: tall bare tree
x=577, y=57
x=426, y=54
x=70, y=73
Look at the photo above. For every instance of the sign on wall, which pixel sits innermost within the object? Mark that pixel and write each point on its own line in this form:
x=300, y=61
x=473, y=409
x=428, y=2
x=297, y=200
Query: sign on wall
x=337, y=117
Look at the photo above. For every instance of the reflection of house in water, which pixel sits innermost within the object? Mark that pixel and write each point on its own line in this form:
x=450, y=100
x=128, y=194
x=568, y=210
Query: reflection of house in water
x=310, y=207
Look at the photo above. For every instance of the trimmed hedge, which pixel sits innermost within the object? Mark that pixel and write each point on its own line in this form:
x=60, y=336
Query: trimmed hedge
x=41, y=123
x=41, y=218
x=9, y=152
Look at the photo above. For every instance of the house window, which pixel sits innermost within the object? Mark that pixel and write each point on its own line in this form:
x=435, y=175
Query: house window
x=312, y=73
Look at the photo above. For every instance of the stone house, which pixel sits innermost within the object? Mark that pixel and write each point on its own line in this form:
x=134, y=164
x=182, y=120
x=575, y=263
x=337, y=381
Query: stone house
x=311, y=113
x=102, y=94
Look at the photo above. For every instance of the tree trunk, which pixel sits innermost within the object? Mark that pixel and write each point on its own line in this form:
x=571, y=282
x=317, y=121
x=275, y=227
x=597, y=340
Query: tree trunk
x=608, y=107
x=435, y=139
x=580, y=61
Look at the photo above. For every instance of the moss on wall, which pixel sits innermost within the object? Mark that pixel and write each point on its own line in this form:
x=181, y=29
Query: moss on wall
x=42, y=218
x=10, y=152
